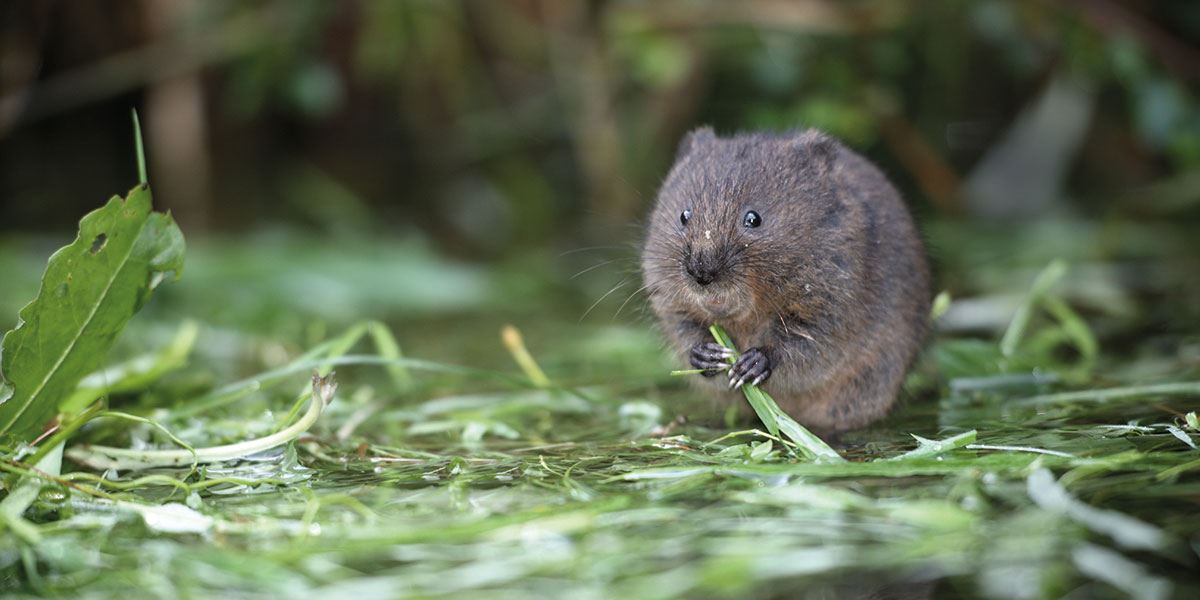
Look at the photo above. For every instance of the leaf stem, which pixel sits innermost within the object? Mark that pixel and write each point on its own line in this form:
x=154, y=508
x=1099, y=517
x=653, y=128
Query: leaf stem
x=139, y=149
x=103, y=457
x=511, y=336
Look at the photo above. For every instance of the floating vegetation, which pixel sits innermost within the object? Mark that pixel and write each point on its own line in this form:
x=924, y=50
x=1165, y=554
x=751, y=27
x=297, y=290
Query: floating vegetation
x=424, y=477
x=209, y=452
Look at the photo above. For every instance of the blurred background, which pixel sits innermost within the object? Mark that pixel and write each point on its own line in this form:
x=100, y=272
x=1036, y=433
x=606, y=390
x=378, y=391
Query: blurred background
x=452, y=166
x=457, y=160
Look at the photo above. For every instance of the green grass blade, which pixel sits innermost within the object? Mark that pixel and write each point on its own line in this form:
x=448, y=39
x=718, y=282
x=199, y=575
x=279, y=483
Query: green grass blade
x=103, y=457
x=1126, y=531
x=140, y=149
x=775, y=420
x=926, y=448
x=387, y=347
x=515, y=343
x=136, y=373
x=25, y=492
x=1182, y=388
x=1020, y=321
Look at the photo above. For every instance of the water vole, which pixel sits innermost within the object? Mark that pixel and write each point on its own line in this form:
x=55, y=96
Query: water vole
x=805, y=253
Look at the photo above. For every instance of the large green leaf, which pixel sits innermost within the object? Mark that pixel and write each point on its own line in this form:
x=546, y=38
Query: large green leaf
x=89, y=292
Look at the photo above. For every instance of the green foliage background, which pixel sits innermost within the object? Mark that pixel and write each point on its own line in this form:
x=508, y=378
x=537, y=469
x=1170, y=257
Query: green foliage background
x=356, y=178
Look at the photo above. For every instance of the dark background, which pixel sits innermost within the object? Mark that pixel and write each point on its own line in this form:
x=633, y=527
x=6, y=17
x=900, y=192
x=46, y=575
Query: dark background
x=452, y=166
x=496, y=126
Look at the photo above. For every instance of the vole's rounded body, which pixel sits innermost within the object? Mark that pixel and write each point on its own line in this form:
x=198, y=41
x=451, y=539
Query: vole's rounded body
x=826, y=282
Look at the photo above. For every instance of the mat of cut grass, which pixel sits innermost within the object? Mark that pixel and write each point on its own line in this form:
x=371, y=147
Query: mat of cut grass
x=433, y=476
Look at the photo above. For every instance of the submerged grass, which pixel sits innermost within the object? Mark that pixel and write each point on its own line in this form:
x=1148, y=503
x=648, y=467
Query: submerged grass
x=1020, y=466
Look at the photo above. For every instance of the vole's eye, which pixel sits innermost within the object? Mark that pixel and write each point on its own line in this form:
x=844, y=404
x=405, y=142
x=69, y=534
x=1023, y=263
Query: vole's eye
x=751, y=219
x=685, y=216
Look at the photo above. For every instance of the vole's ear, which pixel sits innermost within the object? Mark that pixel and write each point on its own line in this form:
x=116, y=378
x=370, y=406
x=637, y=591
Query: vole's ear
x=694, y=139
x=817, y=149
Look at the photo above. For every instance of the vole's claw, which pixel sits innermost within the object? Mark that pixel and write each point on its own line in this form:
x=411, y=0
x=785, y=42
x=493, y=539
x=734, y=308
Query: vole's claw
x=753, y=366
x=710, y=356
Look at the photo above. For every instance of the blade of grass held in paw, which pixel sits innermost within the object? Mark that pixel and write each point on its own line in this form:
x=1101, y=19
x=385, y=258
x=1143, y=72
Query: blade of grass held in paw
x=773, y=417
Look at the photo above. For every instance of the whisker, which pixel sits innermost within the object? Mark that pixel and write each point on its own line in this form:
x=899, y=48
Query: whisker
x=601, y=299
x=589, y=248
x=627, y=299
x=593, y=267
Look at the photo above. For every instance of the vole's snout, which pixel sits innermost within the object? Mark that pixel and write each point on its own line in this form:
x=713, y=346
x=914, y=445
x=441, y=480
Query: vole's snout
x=703, y=277
x=701, y=269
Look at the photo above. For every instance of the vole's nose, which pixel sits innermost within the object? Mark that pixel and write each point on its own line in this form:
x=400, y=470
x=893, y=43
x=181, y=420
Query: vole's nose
x=702, y=272
x=703, y=277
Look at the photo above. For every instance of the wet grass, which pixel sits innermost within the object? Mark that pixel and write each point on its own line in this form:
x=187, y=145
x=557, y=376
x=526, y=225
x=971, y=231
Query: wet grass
x=452, y=469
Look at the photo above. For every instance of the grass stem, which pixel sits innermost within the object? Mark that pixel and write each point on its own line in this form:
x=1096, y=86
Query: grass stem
x=511, y=336
x=773, y=417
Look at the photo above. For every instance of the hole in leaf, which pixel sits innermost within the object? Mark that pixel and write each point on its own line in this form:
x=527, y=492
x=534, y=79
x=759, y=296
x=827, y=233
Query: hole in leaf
x=1067, y=354
x=98, y=243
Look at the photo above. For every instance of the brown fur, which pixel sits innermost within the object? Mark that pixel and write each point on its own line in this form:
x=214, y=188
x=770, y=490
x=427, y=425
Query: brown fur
x=833, y=286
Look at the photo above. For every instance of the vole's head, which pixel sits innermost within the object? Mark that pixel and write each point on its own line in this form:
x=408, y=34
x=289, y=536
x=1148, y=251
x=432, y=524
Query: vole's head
x=741, y=222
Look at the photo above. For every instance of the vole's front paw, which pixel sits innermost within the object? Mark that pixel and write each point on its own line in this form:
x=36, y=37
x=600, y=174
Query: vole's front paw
x=752, y=367
x=710, y=356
